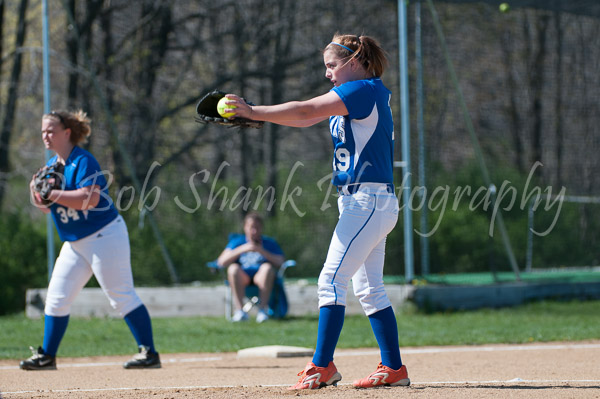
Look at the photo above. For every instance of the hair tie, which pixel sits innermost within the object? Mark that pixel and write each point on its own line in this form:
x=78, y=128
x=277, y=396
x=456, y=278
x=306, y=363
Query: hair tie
x=342, y=46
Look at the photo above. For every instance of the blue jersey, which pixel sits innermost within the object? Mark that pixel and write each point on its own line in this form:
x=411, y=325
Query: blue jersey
x=82, y=170
x=253, y=259
x=363, y=140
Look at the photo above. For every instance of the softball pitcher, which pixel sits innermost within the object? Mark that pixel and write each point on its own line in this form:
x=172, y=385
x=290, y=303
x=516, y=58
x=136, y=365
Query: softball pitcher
x=361, y=125
x=95, y=242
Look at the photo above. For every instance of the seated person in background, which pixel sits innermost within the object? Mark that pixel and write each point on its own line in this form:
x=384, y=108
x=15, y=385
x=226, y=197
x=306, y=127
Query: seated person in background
x=251, y=258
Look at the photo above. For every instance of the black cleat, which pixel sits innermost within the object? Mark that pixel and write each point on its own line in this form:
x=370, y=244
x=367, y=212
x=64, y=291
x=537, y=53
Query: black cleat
x=39, y=361
x=143, y=360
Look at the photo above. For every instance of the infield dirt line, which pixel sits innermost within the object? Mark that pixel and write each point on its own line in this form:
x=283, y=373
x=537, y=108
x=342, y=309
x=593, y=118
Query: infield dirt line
x=514, y=382
x=455, y=372
x=483, y=348
x=429, y=350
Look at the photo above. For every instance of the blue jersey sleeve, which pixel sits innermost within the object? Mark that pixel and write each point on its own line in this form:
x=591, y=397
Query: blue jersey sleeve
x=358, y=97
x=272, y=246
x=235, y=240
x=89, y=173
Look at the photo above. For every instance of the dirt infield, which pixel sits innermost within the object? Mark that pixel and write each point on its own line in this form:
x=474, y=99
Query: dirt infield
x=549, y=370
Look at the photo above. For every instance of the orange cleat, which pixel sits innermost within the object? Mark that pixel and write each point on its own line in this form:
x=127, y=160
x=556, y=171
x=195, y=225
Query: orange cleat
x=384, y=377
x=313, y=377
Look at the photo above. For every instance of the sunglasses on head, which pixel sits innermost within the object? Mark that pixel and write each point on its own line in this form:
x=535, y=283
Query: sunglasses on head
x=59, y=116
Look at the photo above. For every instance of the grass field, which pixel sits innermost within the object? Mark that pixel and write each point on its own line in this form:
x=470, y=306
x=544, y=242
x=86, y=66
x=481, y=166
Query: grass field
x=535, y=322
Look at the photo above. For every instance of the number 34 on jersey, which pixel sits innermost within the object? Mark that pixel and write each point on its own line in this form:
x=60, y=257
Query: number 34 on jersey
x=68, y=214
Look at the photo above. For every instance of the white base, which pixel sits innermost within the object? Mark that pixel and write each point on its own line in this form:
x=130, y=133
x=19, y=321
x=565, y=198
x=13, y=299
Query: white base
x=275, y=351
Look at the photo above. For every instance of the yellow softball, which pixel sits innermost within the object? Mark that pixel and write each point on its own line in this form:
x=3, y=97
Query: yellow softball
x=221, y=106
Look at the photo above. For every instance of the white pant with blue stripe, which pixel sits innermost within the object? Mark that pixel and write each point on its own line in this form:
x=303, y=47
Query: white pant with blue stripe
x=357, y=250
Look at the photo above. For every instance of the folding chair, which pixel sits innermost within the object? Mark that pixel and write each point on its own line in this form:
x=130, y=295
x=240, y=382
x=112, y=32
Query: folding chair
x=278, y=304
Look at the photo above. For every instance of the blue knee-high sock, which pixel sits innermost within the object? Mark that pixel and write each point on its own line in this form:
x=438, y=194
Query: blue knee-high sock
x=331, y=321
x=385, y=328
x=54, y=330
x=140, y=325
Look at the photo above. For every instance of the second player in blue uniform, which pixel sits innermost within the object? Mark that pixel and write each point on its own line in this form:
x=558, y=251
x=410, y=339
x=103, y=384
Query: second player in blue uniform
x=96, y=242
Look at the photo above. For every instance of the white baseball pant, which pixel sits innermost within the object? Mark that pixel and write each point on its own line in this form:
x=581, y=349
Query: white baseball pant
x=357, y=249
x=106, y=254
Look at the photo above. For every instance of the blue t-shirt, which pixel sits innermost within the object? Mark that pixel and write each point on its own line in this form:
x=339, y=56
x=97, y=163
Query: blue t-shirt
x=253, y=259
x=363, y=140
x=82, y=170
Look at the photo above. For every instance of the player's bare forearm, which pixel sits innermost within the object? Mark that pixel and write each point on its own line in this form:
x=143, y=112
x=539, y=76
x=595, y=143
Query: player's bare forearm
x=305, y=123
x=293, y=113
x=80, y=199
x=275, y=260
x=225, y=259
x=229, y=256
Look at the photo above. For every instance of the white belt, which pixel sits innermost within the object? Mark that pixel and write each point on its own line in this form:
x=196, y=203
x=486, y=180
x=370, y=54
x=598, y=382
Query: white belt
x=369, y=188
